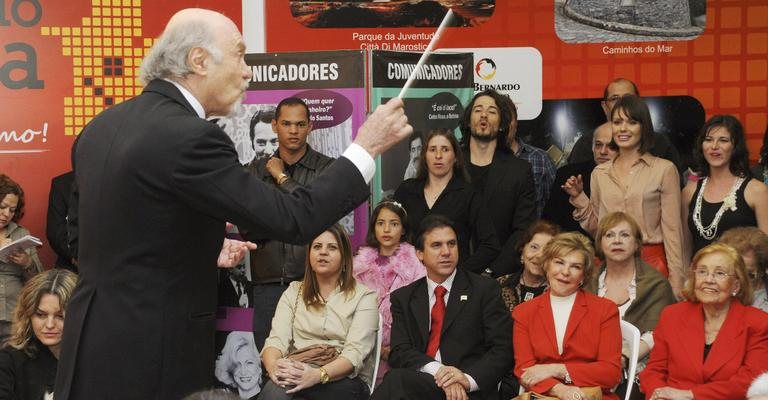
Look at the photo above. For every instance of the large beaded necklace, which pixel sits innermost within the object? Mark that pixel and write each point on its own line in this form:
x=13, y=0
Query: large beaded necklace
x=729, y=202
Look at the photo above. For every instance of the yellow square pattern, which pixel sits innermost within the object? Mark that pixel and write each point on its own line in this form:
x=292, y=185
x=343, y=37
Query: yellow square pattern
x=104, y=59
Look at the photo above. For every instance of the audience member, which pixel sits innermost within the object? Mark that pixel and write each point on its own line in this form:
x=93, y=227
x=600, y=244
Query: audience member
x=642, y=185
x=526, y=284
x=459, y=349
x=638, y=290
x=22, y=264
x=28, y=362
x=752, y=245
x=387, y=263
x=442, y=187
x=758, y=390
x=295, y=164
x=725, y=195
x=616, y=89
x=327, y=307
x=760, y=171
x=56, y=230
x=558, y=208
x=711, y=346
x=504, y=181
x=541, y=165
x=264, y=141
x=567, y=339
x=152, y=213
x=239, y=365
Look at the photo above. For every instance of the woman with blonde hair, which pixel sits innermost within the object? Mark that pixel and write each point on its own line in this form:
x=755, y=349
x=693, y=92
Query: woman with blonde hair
x=567, y=339
x=327, y=308
x=239, y=365
x=28, y=362
x=713, y=345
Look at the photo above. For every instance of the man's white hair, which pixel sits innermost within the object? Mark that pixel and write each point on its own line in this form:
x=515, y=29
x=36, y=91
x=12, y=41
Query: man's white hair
x=168, y=57
x=759, y=386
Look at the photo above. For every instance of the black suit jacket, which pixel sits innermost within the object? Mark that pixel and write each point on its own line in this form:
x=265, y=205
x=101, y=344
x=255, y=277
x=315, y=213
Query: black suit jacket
x=509, y=197
x=155, y=184
x=559, y=208
x=476, y=336
x=59, y=200
x=23, y=377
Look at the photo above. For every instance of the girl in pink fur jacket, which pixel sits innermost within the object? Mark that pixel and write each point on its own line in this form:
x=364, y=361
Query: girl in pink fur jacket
x=387, y=263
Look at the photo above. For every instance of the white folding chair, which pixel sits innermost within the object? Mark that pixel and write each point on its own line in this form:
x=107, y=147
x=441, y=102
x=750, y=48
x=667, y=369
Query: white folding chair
x=377, y=354
x=630, y=335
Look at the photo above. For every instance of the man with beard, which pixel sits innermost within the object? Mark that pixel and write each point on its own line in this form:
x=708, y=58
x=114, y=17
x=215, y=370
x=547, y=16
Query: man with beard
x=505, y=181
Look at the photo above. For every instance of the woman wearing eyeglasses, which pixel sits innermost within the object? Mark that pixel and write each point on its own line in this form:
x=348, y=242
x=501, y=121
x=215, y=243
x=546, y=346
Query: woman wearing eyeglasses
x=712, y=345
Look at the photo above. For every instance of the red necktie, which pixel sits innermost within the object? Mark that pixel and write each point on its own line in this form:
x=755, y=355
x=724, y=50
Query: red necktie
x=438, y=313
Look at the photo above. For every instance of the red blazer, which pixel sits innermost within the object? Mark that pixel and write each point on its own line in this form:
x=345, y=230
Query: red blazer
x=738, y=355
x=591, y=346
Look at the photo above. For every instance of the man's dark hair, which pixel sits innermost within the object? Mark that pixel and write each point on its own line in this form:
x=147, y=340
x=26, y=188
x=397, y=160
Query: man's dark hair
x=430, y=223
x=617, y=80
x=291, y=101
x=505, y=118
x=266, y=116
x=739, y=164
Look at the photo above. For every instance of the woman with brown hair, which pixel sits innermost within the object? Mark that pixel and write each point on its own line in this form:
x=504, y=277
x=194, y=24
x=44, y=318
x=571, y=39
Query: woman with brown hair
x=328, y=307
x=28, y=362
x=442, y=187
x=22, y=264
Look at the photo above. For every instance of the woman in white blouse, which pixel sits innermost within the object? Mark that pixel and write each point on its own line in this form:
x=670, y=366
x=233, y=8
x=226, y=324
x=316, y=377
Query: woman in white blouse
x=327, y=307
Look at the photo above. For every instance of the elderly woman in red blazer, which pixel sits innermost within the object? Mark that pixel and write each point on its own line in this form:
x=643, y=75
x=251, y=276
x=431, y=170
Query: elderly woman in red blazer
x=712, y=345
x=567, y=339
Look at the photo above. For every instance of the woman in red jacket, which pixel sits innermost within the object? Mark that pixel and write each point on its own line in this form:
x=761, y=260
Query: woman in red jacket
x=712, y=345
x=567, y=339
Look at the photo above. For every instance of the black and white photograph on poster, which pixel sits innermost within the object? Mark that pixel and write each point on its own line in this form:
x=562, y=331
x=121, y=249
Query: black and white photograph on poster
x=238, y=364
x=603, y=21
x=235, y=286
x=250, y=129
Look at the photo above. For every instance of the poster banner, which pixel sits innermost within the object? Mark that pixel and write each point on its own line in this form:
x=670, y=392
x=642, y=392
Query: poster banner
x=442, y=87
x=61, y=63
x=332, y=85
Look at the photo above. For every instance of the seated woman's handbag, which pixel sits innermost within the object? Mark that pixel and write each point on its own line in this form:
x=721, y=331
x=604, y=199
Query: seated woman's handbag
x=317, y=354
x=592, y=393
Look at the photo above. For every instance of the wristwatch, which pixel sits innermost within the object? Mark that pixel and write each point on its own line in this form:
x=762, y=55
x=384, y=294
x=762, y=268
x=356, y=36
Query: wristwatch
x=282, y=178
x=567, y=378
x=324, y=377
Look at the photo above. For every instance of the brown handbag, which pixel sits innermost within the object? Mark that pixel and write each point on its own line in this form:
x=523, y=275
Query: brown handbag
x=317, y=354
x=592, y=393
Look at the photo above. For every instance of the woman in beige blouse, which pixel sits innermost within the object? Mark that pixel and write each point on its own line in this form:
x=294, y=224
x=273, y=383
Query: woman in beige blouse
x=642, y=185
x=327, y=307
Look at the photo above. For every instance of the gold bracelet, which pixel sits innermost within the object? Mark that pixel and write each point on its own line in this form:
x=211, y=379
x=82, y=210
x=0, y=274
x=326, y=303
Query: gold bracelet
x=324, y=377
x=282, y=178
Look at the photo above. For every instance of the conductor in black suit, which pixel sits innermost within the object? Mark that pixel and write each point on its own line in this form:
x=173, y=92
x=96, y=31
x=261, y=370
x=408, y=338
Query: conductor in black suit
x=155, y=183
x=451, y=334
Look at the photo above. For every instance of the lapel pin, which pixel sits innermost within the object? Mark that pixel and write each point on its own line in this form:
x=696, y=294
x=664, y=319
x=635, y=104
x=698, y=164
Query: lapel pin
x=463, y=297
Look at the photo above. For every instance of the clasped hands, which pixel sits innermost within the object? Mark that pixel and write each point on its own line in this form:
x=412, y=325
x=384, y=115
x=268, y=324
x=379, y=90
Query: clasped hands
x=539, y=372
x=669, y=393
x=453, y=381
x=294, y=374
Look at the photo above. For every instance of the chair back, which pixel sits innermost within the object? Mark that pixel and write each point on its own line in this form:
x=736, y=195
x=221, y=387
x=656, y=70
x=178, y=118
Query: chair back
x=377, y=354
x=630, y=335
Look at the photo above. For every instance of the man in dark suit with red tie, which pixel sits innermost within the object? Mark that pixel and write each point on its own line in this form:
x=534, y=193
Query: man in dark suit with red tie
x=451, y=334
